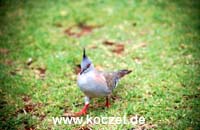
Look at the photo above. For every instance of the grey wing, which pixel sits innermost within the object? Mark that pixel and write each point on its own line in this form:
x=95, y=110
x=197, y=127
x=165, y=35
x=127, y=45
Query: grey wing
x=111, y=79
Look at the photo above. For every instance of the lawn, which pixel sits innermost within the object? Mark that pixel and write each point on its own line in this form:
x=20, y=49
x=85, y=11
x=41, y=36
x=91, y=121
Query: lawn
x=41, y=44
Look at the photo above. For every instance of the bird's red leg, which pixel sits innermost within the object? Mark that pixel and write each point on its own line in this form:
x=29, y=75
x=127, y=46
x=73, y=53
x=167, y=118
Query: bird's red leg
x=107, y=102
x=85, y=108
x=83, y=111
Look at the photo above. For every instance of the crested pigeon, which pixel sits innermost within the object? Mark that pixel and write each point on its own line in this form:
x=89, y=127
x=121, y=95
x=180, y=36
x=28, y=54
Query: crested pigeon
x=94, y=83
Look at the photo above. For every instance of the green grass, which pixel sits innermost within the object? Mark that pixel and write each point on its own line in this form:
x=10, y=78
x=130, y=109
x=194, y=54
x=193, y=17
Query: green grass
x=163, y=87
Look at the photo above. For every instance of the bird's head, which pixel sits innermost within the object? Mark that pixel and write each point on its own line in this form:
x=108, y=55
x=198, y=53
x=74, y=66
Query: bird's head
x=86, y=64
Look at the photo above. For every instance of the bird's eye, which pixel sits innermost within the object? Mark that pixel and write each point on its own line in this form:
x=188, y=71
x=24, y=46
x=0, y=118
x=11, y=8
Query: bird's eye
x=88, y=65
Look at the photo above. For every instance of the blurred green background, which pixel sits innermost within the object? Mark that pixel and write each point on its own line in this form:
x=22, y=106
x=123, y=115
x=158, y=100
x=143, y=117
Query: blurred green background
x=41, y=45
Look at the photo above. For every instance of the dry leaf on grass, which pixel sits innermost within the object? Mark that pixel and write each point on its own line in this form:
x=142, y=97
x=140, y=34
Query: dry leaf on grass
x=40, y=72
x=81, y=30
x=8, y=62
x=108, y=43
x=118, y=49
x=4, y=51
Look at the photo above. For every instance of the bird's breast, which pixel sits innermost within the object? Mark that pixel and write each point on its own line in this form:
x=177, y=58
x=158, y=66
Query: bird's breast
x=82, y=80
x=93, y=85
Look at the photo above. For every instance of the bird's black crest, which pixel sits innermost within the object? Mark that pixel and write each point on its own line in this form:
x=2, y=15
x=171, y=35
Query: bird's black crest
x=84, y=54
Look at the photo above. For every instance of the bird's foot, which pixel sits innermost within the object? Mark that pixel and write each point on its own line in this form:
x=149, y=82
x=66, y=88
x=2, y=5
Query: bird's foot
x=83, y=111
x=107, y=103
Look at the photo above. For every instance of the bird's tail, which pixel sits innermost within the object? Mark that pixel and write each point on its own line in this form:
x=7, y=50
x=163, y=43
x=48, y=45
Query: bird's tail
x=122, y=73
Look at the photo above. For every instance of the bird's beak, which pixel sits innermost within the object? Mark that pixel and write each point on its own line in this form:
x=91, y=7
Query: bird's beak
x=81, y=72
